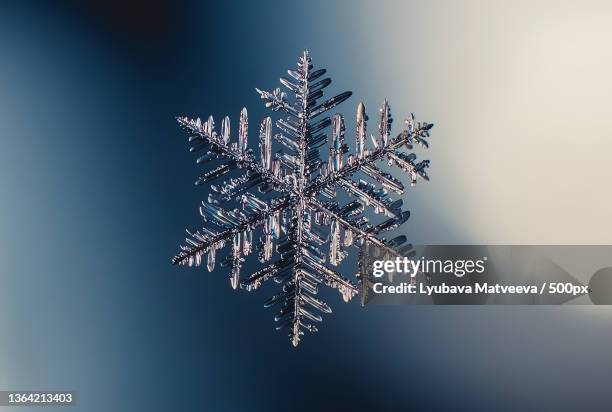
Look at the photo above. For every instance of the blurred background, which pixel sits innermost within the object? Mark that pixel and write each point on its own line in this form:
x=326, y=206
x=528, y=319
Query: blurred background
x=96, y=186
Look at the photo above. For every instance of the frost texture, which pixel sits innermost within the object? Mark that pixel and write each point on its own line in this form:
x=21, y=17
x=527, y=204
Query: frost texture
x=287, y=198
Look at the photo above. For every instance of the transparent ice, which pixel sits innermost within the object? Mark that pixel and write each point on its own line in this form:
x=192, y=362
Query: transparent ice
x=287, y=199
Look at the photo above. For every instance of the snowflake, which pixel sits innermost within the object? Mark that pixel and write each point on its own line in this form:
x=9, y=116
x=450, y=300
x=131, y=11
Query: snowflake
x=290, y=196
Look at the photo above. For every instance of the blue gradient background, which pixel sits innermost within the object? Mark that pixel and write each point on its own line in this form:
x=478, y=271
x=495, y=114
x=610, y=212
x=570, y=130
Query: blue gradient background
x=96, y=186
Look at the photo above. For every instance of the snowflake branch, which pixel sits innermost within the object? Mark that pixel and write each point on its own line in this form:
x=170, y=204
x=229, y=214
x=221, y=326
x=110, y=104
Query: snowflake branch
x=245, y=159
x=353, y=188
x=390, y=150
x=201, y=244
x=371, y=237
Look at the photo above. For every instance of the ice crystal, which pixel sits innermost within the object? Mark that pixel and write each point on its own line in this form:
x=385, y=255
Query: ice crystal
x=289, y=196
